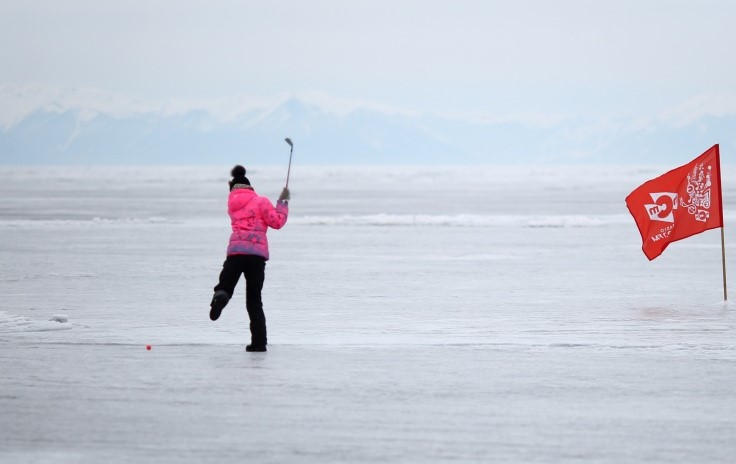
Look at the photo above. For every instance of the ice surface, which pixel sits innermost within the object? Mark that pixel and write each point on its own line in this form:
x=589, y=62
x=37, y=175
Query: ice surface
x=13, y=324
x=495, y=314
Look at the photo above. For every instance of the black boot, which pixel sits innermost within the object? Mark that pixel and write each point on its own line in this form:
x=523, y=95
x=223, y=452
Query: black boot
x=219, y=301
x=255, y=348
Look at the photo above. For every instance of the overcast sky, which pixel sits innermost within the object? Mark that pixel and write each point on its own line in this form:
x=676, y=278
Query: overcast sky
x=568, y=58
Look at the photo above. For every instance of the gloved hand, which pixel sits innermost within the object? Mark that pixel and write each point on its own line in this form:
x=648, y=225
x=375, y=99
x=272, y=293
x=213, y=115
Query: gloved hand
x=285, y=195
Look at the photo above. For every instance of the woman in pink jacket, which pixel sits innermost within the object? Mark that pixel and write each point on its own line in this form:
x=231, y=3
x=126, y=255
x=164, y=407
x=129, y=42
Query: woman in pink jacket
x=250, y=215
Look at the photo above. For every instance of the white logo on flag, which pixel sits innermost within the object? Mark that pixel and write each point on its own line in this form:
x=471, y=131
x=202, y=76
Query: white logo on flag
x=698, y=187
x=662, y=208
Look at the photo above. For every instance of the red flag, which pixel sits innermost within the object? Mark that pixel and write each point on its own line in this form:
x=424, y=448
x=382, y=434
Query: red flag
x=683, y=202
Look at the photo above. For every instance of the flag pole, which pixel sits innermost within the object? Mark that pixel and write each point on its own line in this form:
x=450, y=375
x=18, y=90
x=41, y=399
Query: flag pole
x=723, y=259
x=723, y=234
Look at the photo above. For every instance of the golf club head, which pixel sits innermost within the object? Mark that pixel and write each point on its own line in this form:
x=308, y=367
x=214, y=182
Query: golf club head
x=288, y=140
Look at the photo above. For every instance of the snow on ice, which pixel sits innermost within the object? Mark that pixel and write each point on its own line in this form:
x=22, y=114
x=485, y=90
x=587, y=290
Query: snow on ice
x=415, y=314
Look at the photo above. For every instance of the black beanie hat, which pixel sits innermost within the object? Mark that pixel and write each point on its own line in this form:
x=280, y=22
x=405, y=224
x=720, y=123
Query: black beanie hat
x=238, y=173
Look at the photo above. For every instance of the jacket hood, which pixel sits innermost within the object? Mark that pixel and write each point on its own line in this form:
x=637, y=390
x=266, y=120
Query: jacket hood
x=240, y=197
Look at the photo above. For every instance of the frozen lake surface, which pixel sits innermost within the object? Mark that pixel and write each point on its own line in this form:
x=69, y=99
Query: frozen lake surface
x=494, y=314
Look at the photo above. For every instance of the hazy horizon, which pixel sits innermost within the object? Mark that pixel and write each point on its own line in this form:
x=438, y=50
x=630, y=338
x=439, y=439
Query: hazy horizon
x=575, y=81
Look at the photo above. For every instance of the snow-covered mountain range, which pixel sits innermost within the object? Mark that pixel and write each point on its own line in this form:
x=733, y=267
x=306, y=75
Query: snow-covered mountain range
x=43, y=125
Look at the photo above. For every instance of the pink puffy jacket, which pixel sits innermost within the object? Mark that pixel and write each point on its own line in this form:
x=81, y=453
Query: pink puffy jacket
x=251, y=215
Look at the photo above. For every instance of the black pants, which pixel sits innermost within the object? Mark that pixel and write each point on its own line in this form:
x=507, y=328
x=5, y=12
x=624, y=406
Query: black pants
x=254, y=269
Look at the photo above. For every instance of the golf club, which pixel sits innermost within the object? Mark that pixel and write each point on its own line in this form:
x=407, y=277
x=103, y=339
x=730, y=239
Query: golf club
x=291, y=151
